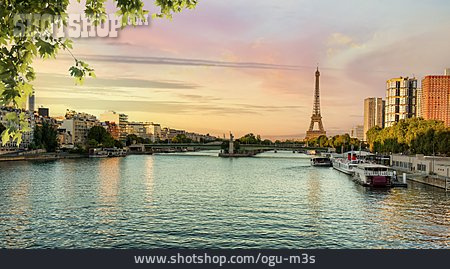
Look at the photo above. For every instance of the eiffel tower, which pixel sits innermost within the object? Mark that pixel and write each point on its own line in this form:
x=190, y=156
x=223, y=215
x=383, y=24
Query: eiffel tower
x=316, y=117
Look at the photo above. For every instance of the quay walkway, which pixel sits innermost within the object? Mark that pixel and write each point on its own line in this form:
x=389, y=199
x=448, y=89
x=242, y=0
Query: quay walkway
x=432, y=180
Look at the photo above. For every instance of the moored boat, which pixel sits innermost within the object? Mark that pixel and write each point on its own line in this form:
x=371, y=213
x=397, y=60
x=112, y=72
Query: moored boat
x=115, y=152
x=97, y=153
x=344, y=165
x=373, y=175
x=321, y=161
x=349, y=160
x=106, y=152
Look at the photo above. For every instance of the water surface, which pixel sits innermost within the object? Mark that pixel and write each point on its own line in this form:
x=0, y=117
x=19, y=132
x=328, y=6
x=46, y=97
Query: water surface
x=198, y=200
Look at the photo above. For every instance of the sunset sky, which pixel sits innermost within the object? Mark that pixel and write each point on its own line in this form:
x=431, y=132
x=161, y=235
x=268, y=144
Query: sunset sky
x=248, y=66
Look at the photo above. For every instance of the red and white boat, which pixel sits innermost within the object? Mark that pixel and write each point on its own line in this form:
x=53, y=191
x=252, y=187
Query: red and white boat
x=349, y=161
x=373, y=175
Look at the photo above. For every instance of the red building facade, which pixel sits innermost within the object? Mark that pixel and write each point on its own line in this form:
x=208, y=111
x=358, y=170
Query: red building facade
x=436, y=98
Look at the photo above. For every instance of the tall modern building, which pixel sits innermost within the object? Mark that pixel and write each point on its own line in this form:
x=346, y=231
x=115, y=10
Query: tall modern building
x=419, y=99
x=357, y=132
x=436, y=98
x=31, y=103
x=373, y=114
x=401, y=96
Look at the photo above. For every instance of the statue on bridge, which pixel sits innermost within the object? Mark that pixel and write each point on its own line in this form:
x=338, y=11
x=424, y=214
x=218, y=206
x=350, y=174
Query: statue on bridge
x=231, y=144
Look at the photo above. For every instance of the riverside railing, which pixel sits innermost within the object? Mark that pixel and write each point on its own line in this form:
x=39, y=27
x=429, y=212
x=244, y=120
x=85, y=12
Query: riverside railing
x=378, y=173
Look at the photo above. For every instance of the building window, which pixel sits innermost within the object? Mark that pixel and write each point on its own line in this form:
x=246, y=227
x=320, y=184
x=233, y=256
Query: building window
x=421, y=167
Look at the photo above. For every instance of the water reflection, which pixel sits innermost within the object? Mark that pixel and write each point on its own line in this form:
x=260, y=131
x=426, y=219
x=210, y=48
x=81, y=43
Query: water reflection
x=314, y=201
x=149, y=182
x=18, y=216
x=108, y=176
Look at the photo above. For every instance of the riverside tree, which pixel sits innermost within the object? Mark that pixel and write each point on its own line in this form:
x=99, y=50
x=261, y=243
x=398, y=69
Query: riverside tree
x=100, y=136
x=250, y=139
x=411, y=136
x=45, y=137
x=339, y=142
x=17, y=51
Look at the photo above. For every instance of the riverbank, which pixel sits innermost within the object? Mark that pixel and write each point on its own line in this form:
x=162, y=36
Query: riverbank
x=435, y=181
x=231, y=155
x=431, y=180
x=42, y=157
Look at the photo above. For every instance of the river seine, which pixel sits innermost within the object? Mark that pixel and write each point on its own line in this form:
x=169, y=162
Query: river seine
x=197, y=200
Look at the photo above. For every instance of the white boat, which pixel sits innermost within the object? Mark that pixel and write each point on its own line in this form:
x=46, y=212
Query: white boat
x=349, y=160
x=344, y=165
x=115, y=152
x=321, y=161
x=373, y=175
x=97, y=153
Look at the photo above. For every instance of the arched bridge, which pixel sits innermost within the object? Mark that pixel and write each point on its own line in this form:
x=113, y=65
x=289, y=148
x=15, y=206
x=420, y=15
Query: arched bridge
x=217, y=146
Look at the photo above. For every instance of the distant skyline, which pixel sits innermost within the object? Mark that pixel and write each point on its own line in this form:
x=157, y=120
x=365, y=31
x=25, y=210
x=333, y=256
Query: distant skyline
x=247, y=66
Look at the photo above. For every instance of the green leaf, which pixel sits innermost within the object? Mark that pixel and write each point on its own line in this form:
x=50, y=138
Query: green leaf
x=20, y=100
x=11, y=117
x=5, y=137
x=46, y=49
x=18, y=138
x=68, y=44
x=30, y=75
x=22, y=116
x=25, y=88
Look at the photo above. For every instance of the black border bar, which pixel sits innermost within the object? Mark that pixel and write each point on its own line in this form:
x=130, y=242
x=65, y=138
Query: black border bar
x=113, y=258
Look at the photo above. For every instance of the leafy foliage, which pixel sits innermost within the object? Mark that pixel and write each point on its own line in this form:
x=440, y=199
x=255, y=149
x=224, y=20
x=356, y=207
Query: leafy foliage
x=181, y=138
x=167, y=8
x=132, y=139
x=413, y=136
x=46, y=137
x=339, y=142
x=118, y=144
x=226, y=145
x=250, y=139
x=19, y=49
x=98, y=136
x=17, y=125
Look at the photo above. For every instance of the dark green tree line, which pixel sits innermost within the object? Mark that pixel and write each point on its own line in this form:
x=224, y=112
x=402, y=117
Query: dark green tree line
x=338, y=142
x=411, y=136
x=250, y=139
